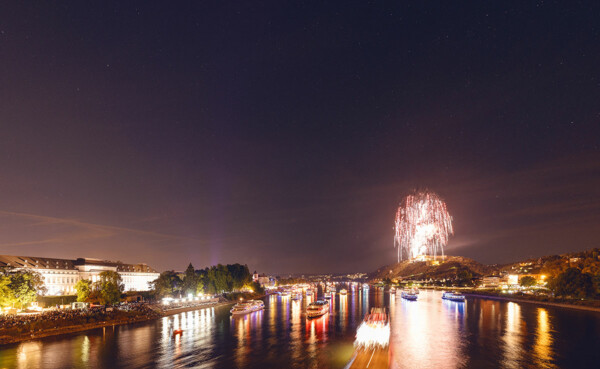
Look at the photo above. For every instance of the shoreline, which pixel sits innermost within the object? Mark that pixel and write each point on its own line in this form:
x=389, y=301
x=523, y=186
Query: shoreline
x=86, y=327
x=546, y=303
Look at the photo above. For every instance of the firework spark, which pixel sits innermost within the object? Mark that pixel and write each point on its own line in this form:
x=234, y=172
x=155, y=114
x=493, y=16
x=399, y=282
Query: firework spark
x=422, y=226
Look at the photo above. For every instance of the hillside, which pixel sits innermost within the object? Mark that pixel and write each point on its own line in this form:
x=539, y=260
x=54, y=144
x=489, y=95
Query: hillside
x=587, y=261
x=424, y=270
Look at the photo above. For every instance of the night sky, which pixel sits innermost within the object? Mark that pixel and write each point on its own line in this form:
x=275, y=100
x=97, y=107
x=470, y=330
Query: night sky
x=283, y=134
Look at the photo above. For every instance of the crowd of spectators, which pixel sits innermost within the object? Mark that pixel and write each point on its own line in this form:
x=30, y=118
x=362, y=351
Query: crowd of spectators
x=58, y=318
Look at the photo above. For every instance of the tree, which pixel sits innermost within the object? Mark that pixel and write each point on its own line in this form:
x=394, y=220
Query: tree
x=200, y=286
x=190, y=281
x=224, y=281
x=572, y=282
x=464, y=278
x=167, y=284
x=527, y=281
x=596, y=281
x=257, y=288
x=84, y=289
x=110, y=287
x=7, y=297
x=554, y=266
x=25, y=286
x=218, y=279
x=240, y=275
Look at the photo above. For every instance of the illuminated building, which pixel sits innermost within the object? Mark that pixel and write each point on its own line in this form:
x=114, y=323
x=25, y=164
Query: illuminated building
x=490, y=281
x=61, y=275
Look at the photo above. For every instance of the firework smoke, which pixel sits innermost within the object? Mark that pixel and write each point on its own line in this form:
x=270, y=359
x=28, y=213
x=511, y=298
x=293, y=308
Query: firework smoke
x=422, y=226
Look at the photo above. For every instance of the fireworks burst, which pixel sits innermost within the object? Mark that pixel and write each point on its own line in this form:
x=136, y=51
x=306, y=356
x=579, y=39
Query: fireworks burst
x=422, y=226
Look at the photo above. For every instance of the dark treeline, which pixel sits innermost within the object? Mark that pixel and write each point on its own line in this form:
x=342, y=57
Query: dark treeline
x=288, y=281
x=216, y=279
x=574, y=275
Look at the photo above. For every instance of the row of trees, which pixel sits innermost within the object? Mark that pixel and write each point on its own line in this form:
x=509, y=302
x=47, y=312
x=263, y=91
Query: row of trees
x=575, y=283
x=106, y=291
x=213, y=280
x=574, y=275
x=19, y=288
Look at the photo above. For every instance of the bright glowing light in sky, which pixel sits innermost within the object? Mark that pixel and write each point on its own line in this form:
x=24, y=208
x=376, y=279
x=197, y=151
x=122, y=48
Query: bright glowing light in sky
x=422, y=225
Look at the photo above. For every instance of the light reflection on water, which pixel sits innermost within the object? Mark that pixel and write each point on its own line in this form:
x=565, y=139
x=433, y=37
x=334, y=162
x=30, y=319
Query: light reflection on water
x=543, y=340
x=428, y=333
x=512, y=337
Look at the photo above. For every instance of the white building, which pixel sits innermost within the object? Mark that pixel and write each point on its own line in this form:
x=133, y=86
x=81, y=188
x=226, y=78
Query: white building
x=491, y=281
x=61, y=275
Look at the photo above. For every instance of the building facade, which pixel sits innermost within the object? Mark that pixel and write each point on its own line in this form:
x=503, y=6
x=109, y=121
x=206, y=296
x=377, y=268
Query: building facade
x=61, y=275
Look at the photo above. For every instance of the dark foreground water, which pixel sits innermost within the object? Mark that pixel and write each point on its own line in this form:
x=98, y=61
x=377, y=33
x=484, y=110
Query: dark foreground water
x=429, y=333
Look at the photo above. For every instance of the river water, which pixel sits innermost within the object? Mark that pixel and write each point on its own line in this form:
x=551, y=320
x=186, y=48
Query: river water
x=428, y=333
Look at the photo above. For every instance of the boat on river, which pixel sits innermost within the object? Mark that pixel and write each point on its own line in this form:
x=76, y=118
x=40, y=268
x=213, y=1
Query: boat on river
x=343, y=291
x=247, y=307
x=327, y=295
x=374, y=331
x=409, y=295
x=317, y=309
x=453, y=296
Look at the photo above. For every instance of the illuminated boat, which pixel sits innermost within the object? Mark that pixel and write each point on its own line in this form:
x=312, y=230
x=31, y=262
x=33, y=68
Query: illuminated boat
x=343, y=292
x=409, y=295
x=285, y=294
x=327, y=295
x=297, y=296
x=317, y=308
x=453, y=296
x=247, y=307
x=374, y=331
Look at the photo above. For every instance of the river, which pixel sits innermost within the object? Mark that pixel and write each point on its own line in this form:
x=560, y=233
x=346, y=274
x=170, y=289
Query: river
x=428, y=333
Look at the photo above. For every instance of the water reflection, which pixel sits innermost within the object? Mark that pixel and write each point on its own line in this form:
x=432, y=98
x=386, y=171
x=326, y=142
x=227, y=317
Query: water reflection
x=29, y=355
x=512, y=336
x=247, y=330
x=428, y=333
x=543, y=340
x=85, y=350
x=343, y=312
x=295, y=335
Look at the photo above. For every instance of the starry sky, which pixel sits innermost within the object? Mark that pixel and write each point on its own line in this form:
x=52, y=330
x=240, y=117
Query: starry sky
x=283, y=134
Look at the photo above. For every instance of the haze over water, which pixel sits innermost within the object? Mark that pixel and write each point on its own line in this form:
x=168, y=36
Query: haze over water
x=429, y=333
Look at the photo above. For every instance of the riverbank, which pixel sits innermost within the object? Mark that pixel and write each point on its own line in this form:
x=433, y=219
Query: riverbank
x=31, y=335
x=8, y=336
x=531, y=301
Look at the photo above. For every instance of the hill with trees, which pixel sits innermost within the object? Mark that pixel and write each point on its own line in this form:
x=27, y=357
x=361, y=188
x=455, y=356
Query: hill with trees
x=450, y=267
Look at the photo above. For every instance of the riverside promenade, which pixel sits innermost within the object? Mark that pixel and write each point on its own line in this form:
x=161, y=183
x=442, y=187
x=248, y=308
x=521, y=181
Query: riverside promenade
x=24, y=328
